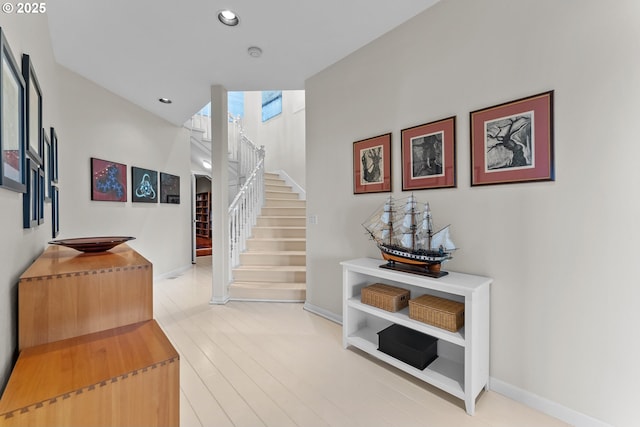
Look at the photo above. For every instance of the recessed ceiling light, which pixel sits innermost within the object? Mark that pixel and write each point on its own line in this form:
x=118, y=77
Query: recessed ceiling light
x=254, y=52
x=228, y=18
x=165, y=100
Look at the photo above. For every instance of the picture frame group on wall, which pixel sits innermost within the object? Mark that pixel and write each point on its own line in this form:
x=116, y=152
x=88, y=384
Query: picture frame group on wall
x=513, y=142
x=429, y=155
x=109, y=183
x=372, y=165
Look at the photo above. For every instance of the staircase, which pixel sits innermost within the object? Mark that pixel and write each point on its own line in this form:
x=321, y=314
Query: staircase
x=273, y=268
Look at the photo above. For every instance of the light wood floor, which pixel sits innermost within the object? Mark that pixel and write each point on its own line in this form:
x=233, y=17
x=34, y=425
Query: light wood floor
x=274, y=364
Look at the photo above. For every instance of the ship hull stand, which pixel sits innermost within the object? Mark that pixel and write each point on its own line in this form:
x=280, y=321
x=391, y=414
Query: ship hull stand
x=412, y=266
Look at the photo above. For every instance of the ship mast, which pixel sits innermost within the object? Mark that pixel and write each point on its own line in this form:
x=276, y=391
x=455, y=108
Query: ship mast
x=387, y=218
x=409, y=223
x=428, y=223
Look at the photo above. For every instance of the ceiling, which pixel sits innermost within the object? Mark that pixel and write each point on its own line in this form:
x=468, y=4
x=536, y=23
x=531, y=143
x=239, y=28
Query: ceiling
x=143, y=50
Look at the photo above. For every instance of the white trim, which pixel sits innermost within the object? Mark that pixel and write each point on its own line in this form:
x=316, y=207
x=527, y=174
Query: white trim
x=294, y=185
x=543, y=405
x=218, y=301
x=173, y=273
x=296, y=301
x=322, y=313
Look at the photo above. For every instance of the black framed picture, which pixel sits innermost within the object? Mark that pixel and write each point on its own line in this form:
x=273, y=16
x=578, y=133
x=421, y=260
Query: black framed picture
x=31, y=198
x=169, y=188
x=40, y=207
x=55, y=212
x=54, y=155
x=429, y=155
x=144, y=185
x=46, y=166
x=513, y=142
x=33, y=108
x=372, y=165
x=12, y=121
x=108, y=181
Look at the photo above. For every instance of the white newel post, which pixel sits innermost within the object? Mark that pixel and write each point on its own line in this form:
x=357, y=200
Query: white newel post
x=220, y=194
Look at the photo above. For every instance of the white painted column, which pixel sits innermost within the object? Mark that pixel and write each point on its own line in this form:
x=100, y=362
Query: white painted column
x=220, y=195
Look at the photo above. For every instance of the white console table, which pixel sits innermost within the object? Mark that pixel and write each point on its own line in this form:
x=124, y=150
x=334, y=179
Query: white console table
x=462, y=366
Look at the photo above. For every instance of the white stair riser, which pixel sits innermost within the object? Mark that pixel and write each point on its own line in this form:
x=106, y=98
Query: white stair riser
x=246, y=275
x=281, y=221
x=284, y=203
x=292, y=295
x=283, y=211
x=258, y=258
x=276, y=245
x=266, y=232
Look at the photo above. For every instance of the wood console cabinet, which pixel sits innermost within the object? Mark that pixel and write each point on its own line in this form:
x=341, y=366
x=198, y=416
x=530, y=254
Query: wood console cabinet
x=90, y=352
x=66, y=293
x=462, y=366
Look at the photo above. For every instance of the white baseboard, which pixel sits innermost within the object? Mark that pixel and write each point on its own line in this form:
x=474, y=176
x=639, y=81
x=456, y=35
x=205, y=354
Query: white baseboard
x=323, y=313
x=219, y=301
x=543, y=405
x=173, y=273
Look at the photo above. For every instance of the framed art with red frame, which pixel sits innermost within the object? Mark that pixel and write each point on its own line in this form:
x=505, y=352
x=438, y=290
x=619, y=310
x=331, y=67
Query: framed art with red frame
x=372, y=165
x=429, y=155
x=513, y=142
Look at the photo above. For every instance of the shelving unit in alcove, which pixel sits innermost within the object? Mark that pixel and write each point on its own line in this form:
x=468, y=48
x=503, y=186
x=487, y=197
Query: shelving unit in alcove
x=462, y=366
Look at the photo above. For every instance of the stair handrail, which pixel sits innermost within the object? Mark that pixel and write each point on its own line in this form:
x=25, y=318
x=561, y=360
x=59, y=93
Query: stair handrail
x=244, y=211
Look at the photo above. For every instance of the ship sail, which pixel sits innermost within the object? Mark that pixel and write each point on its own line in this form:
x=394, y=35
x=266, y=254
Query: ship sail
x=442, y=238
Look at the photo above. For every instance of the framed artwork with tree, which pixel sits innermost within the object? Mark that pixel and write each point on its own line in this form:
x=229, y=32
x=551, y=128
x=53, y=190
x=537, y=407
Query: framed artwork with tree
x=372, y=165
x=513, y=142
x=429, y=155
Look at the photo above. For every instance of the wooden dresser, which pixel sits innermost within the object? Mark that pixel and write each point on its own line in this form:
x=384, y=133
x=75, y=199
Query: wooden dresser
x=90, y=352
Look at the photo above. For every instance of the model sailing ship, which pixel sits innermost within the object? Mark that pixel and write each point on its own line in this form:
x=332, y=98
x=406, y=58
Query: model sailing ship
x=404, y=234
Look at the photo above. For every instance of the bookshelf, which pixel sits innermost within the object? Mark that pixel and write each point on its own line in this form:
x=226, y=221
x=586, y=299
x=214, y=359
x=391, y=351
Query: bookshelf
x=203, y=215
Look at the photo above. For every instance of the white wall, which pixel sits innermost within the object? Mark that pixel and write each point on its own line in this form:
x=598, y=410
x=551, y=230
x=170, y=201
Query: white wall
x=103, y=125
x=90, y=122
x=563, y=254
x=282, y=136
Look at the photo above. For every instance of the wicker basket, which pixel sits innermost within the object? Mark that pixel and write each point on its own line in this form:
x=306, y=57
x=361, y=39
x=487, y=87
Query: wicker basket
x=386, y=297
x=440, y=312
